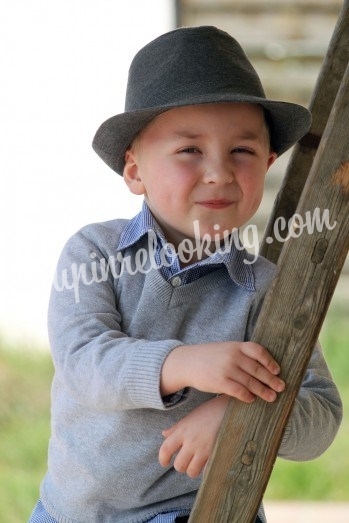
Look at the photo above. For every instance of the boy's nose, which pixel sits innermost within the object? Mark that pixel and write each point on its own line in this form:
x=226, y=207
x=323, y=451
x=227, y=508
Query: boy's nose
x=219, y=172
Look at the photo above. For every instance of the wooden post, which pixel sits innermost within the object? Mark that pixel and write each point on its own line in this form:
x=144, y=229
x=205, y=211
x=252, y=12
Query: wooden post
x=321, y=103
x=288, y=325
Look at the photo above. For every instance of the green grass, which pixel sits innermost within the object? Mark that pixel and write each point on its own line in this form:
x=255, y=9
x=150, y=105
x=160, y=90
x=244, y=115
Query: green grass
x=25, y=378
x=24, y=427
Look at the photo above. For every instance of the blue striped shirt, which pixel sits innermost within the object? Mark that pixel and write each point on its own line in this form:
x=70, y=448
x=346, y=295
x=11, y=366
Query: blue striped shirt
x=234, y=257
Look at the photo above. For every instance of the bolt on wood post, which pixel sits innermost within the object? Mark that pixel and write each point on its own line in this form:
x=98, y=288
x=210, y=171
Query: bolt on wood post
x=288, y=325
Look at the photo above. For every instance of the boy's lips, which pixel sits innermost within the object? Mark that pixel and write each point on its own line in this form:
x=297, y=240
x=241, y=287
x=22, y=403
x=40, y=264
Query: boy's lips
x=216, y=203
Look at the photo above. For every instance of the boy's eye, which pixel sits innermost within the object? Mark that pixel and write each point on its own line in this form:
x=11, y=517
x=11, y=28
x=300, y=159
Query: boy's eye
x=242, y=150
x=189, y=150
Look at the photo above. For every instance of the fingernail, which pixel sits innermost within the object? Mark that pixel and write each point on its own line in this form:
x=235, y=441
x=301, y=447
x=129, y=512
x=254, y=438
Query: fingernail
x=272, y=395
x=281, y=386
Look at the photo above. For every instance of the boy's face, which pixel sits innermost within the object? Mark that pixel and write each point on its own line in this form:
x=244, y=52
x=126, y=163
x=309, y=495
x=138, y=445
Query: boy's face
x=201, y=162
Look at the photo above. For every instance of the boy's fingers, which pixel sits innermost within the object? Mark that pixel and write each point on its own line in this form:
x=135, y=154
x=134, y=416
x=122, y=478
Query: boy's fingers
x=166, y=452
x=169, y=447
x=183, y=460
x=239, y=391
x=248, y=391
x=164, y=456
x=261, y=374
x=260, y=389
x=261, y=354
x=167, y=432
x=196, y=466
x=245, y=387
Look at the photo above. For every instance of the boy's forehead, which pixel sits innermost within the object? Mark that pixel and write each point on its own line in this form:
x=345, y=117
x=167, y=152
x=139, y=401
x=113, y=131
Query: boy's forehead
x=187, y=121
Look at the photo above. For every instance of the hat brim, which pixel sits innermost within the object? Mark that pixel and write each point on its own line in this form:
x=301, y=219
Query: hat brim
x=289, y=122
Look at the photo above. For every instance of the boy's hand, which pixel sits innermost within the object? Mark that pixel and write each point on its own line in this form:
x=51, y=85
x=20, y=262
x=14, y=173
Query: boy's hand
x=242, y=370
x=193, y=437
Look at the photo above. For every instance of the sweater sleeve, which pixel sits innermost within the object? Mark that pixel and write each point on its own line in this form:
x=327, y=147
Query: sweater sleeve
x=94, y=360
x=316, y=413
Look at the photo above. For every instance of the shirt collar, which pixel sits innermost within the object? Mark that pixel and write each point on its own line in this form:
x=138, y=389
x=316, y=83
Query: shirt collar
x=138, y=226
x=237, y=261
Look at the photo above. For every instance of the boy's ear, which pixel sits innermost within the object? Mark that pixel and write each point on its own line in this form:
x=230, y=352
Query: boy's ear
x=131, y=173
x=272, y=157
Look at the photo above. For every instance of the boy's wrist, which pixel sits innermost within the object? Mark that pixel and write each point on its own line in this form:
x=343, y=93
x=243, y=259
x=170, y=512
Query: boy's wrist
x=173, y=376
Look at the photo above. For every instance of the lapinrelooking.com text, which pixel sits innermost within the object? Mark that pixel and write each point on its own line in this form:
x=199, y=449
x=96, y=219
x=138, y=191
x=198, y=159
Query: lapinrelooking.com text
x=145, y=260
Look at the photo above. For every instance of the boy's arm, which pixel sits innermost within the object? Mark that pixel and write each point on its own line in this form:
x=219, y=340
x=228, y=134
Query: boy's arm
x=96, y=362
x=316, y=414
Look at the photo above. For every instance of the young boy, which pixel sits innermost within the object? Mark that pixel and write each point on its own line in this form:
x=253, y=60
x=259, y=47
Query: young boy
x=150, y=318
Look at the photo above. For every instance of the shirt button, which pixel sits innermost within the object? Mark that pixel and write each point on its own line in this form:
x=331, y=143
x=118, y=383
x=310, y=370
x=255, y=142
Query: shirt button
x=176, y=281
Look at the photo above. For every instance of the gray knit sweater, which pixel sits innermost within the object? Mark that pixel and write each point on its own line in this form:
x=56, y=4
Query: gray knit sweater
x=110, y=332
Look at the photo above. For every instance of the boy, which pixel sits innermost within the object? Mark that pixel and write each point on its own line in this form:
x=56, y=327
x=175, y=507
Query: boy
x=150, y=318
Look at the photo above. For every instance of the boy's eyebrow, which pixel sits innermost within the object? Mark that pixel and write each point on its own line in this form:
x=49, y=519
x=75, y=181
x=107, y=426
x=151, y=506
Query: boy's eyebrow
x=248, y=135
x=187, y=134
x=244, y=135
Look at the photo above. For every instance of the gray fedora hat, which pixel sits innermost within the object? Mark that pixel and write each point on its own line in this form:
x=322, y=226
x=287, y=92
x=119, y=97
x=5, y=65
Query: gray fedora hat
x=190, y=66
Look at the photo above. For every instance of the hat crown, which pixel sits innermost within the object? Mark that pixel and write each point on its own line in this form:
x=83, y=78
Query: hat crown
x=189, y=63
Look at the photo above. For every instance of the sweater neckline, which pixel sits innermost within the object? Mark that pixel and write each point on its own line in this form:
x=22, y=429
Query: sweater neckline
x=174, y=294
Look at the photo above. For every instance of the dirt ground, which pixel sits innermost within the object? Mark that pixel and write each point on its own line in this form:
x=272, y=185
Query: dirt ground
x=297, y=512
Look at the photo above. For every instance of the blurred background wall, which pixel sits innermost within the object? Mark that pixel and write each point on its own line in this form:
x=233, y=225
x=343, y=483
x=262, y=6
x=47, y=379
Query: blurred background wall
x=64, y=69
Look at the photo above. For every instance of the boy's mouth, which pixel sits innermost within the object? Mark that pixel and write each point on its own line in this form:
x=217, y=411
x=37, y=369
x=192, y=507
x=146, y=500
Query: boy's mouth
x=215, y=204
